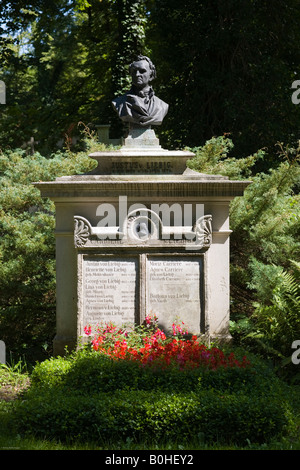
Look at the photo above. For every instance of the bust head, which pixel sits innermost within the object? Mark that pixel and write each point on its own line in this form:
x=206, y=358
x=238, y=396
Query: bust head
x=142, y=72
x=140, y=106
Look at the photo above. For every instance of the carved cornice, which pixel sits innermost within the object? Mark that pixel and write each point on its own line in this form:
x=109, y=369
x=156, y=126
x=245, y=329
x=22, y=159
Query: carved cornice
x=143, y=228
x=180, y=186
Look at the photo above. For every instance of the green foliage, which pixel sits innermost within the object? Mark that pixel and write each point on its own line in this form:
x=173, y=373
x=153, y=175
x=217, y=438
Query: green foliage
x=267, y=215
x=131, y=40
x=89, y=397
x=64, y=63
x=27, y=247
x=212, y=158
x=152, y=417
x=92, y=373
x=227, y=67
x=14, y=375
x=265, y=224
x=264, y=243
x=277, y=315
x=222, y=67
x=50, y=372
x=130, y=36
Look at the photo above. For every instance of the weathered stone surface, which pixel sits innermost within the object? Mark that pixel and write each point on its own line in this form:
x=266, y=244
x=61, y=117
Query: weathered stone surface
x=109, y=287
x=141, y=154
x=174, y=291
x=162, y=186
x=145, y=161
x=140, y=139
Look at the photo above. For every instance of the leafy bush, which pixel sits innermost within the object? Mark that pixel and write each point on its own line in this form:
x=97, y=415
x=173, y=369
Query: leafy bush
x=27, y=248
x=212, y=158
x=142, y=358
x=264, y=245
x=152, y=416
x=276, y=320
x=95, y=372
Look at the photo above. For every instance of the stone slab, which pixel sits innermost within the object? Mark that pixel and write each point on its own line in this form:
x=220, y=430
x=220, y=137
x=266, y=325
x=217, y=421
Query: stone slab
x=141, y=138
x=174, y=291
x=108, y=290
x=146, y=186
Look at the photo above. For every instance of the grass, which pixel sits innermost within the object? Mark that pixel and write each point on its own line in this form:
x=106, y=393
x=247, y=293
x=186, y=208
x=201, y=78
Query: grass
x=14, y=380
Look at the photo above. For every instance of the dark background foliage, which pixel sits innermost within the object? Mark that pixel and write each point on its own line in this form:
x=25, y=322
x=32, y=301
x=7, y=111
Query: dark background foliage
x=224, y=67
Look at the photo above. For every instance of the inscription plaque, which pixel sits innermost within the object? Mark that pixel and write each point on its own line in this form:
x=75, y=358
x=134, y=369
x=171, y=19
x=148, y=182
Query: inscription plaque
x=109, y=290
x=135, y=167
x=174, y=291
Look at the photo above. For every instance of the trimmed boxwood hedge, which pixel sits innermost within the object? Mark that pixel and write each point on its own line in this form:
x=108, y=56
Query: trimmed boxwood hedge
x=93, y=398
x=91, y=373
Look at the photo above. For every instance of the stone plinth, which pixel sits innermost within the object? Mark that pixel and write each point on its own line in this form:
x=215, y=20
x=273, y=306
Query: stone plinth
x=142, y=234
x=141, y=154
x=142, y=162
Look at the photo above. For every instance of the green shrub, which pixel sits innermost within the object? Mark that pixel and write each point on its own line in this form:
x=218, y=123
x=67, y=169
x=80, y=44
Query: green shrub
x=212, y=158
x=264, y=244
x=278, y=319
x=90, y=397
x=50, y=372
x=27, y=248
x=87, y=372
x=151, y=416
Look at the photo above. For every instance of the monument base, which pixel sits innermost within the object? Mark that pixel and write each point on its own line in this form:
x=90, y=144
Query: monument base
x=141, y=154
x=63, y=345
x=141, y=138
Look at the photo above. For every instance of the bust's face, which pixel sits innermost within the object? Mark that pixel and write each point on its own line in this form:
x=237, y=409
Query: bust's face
x=141, y=74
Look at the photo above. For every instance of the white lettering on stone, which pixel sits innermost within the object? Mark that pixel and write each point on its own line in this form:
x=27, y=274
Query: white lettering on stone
x=109, y=290
x=174, y=291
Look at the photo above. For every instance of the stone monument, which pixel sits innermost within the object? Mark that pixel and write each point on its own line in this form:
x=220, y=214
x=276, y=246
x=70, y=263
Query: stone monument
x=141, y=233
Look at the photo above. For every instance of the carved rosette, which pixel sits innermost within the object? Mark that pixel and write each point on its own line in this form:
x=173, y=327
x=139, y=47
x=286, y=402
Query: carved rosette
x=82, y=231
x=142, y=227
x=203, y=229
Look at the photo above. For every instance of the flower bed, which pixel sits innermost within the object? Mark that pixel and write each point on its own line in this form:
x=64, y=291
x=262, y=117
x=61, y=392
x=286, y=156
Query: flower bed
x=152, y=388
x=150, y=346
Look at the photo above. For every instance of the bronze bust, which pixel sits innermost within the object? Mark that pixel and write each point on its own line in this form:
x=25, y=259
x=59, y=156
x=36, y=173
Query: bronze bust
x=139, y=106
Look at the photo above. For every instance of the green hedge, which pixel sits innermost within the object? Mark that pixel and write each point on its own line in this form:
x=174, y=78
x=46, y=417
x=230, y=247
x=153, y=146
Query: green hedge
x=93, y=398
x=152, y=416
x=91, y=373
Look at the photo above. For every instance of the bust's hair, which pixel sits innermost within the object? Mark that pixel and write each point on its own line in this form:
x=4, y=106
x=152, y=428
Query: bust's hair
x=151, y=65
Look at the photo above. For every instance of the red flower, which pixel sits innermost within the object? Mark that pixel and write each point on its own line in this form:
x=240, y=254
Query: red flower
x=88, y=330
x=160, y=351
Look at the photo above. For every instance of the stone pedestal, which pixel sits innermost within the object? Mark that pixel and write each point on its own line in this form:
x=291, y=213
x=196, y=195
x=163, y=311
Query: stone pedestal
x=142, y=234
